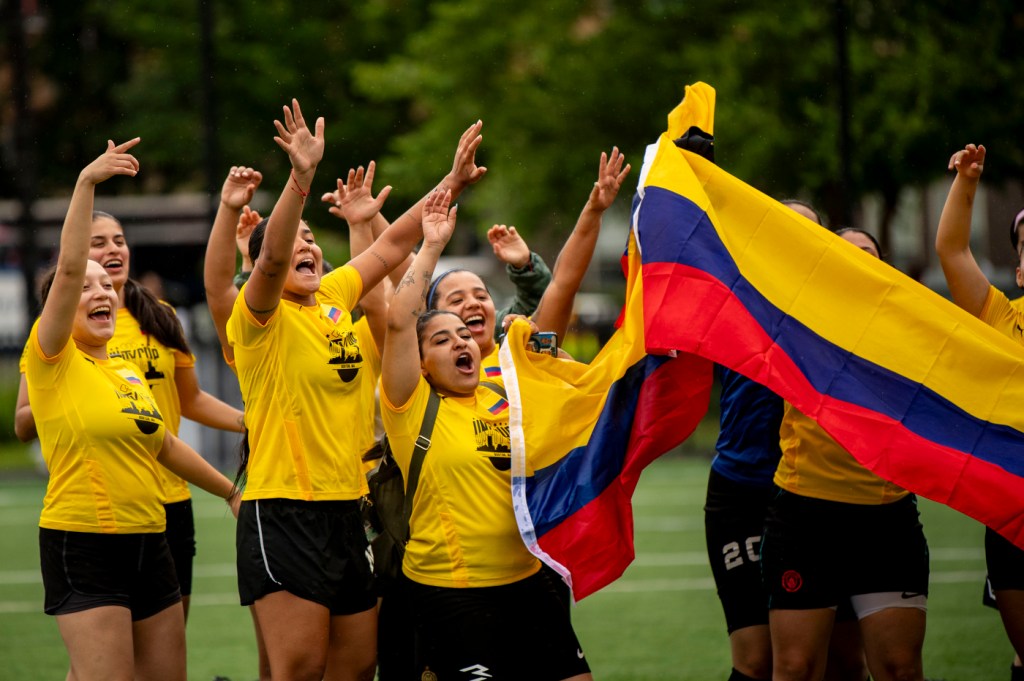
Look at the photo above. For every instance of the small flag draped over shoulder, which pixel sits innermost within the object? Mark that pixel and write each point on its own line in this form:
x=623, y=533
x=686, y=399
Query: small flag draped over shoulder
x=582, y=433
x=919, y=391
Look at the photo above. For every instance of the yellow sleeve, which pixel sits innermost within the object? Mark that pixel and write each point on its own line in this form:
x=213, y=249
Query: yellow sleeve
x=343, y=287
x=999, y=313
x=243, y=328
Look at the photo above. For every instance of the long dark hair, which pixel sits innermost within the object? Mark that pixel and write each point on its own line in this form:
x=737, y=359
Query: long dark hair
x=155, y=318
x=256, y=240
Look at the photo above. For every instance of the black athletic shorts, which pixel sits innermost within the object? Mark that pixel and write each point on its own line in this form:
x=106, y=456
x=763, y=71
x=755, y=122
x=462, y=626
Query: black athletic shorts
x=818, y=553
x=83, y=570
x=181, y=538
x=515, y=631
x=316, y=550
x=1005, y=562
x=733, y=524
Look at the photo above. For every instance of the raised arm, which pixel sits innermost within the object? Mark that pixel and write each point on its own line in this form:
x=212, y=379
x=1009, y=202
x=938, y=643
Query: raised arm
x=526, y=270
x=555, y=308
x=967, y=283
x=401, y=358
x=305, y=149
x=219, y=265
x=247, y=223
x=353, y=201
x=464, y=173
x=58, y=314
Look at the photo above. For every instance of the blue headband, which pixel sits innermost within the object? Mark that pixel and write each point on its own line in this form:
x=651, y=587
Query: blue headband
x=433, y=287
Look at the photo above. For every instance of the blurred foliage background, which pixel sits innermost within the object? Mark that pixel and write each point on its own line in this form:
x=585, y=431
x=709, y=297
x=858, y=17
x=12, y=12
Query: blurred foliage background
x=853, y=105
x=554, y=81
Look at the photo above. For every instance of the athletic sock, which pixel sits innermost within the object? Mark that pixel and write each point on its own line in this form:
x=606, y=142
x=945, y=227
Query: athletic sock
x=740, y=676
x=1016, y=673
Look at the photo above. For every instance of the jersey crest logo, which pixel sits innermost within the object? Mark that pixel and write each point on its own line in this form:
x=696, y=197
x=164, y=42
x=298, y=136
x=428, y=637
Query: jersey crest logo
x=346, y=357
x=139, y=406
x=493, y=441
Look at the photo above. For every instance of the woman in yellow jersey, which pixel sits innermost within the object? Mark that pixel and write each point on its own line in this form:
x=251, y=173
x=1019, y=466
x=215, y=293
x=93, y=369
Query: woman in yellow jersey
x=480, y=599
x=464, y=293
x=149, y=335
x=235, y=218
x=107, y=569
x=301, y=546
x=835, y=532
x=972, y=291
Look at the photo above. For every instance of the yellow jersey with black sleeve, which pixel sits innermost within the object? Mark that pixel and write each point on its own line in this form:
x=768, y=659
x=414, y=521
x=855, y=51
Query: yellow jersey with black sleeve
x=815, y=465
x=156, y=364
x=1004, y=315
x=304, y=401
x=463, y=532
x=100, y=431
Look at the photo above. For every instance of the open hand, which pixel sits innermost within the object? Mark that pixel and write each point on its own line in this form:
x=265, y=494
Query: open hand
x=610, y=175
x=247, y=222
x=304, y=148
x=508, y=246
x=438, y=221
x=353, y=200
x=465, y=171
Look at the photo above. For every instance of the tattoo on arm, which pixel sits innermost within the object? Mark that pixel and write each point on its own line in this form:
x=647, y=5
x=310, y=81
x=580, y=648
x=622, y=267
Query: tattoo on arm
x=258, y=312
x=268, y=274
x=381, y=258
x=421, y=306
x=407, y=280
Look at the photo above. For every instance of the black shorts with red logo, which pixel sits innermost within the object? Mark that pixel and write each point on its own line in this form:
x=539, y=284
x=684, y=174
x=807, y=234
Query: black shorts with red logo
x=818, y=553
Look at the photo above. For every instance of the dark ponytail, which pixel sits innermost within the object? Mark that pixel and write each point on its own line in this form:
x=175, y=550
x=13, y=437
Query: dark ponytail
x=241, y=475
x=155, y=318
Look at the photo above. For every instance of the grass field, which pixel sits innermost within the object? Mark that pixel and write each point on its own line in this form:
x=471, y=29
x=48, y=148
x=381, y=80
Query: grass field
x=659, y=621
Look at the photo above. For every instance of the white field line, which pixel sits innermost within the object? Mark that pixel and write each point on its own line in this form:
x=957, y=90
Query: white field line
x=626, y=585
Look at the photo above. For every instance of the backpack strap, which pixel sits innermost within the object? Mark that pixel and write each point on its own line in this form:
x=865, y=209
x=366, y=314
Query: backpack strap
x=495, y=387
x=418, y=453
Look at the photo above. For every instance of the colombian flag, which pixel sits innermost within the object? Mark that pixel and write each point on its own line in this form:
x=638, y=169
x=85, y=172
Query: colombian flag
x=498, y=407
x=919, y=391
x=582, y=433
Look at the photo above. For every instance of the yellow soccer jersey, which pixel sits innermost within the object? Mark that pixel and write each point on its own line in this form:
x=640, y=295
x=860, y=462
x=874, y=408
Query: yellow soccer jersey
x=156, y=364
x=815, y=465
x=100, y=430
x=305, y=401
x=490, y=366
x=1004, y=315
x=1018, y=304
x=369, y=379
x=463, y=532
